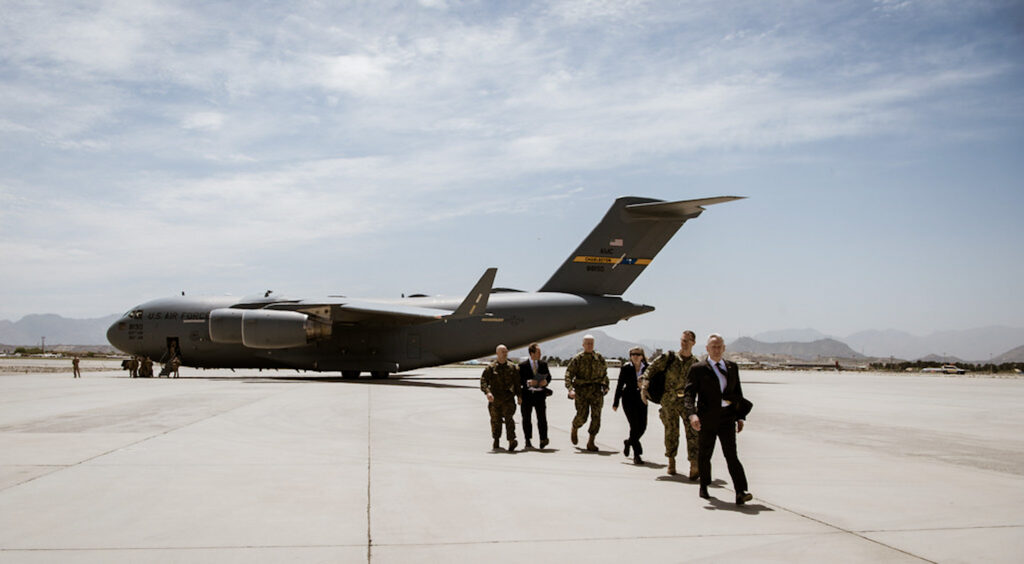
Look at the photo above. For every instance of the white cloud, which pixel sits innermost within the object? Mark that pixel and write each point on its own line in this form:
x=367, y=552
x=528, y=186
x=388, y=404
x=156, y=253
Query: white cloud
x=148, y=128
x=205, y=121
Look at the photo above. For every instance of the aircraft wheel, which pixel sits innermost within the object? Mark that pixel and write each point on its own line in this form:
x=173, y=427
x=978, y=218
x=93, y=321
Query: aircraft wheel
x=378, y=374
x=350, y=374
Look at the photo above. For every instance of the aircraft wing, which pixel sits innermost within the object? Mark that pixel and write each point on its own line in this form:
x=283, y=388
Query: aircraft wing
x=344, y=310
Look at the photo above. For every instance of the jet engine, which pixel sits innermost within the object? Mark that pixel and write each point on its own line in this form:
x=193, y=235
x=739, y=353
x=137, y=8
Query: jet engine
x=266, y=328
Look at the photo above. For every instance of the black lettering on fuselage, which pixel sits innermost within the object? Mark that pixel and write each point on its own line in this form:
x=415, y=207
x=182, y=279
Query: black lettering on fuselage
x=592, y=268
x=134, y=331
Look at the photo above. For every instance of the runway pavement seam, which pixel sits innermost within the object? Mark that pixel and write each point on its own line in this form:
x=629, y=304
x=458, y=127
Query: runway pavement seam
x=847, y=531
x=928, y=529
x=598, y=539
x=147, y=548
x=369, y=474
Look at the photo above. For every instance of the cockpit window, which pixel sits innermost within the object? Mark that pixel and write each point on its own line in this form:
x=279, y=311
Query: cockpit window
x=134, y=314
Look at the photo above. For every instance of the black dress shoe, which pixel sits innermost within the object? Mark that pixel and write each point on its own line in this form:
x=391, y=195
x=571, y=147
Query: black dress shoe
x=704, y=492
x=543, y=443
x=625, y=451
x=743, y=497
x=528, y=444
x=637, y=460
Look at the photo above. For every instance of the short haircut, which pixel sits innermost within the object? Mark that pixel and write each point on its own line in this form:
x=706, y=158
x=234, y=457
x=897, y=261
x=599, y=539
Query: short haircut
x=716, y=336
x=533, y=348
x=691, y=334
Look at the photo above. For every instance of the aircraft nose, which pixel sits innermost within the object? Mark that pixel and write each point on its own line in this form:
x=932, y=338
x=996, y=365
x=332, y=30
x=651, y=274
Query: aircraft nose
x=117, y=335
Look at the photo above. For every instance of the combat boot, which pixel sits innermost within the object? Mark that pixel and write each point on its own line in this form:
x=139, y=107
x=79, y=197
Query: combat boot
x=590, y=444
x=671, y=466
x=512, y=445
x=573, y=436
x=495, y=446
x=694, y=471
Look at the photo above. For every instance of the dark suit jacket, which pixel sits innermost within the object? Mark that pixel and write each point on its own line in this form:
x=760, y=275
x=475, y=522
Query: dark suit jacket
x=703, y=393
x=526, y=373
x=627, y=388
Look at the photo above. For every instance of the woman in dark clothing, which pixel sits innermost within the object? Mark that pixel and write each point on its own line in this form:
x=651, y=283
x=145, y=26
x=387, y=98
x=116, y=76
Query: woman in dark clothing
x=628, y=390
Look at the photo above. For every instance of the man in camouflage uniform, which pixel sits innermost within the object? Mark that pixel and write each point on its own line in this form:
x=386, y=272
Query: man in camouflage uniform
x=586, y=378
x=672, y=402
x=500, y=383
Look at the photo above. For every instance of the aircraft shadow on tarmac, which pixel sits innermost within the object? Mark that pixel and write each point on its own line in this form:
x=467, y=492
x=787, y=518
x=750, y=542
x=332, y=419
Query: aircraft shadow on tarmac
x=392, y=381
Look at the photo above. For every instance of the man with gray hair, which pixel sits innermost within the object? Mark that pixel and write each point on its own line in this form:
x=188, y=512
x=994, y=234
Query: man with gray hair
x=714, y=404
x=586, y=378
x=500, y=383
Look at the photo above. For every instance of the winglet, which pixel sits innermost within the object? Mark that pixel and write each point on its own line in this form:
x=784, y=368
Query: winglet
x=476, y=302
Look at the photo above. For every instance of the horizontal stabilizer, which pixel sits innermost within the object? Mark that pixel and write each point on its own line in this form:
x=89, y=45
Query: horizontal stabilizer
x=684, y=209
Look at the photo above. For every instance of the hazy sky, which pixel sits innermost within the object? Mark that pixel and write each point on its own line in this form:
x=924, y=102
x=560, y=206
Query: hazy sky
x=377, y=148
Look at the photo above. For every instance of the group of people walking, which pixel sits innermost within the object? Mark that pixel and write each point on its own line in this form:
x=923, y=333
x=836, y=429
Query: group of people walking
x=705, y=394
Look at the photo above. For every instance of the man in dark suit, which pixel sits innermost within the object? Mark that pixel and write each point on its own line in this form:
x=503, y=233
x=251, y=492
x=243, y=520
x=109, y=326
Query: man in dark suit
x=535, y=377
x=712, y=400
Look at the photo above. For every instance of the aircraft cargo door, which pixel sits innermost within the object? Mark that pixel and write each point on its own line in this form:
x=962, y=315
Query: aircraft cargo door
x=412, y=349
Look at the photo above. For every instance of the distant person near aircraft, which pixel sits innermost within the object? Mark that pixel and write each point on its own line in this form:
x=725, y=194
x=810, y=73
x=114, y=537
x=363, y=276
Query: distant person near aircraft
x=500, y=383
x=534, y=377
x=627, y=389
x=74, y=367
x=586, y=378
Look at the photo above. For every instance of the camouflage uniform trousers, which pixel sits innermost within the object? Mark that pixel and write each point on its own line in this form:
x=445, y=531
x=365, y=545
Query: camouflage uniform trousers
x=502, y=410
x=670, y=414
x=588, y=398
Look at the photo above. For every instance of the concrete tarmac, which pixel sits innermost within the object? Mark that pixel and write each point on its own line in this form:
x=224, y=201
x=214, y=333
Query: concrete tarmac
x=267, y=467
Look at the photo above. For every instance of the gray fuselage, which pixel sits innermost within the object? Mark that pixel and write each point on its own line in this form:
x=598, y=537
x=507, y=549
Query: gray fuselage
x=515, y=319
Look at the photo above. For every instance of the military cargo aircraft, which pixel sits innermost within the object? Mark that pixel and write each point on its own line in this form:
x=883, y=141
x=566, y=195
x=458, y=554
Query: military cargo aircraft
x=382, y=336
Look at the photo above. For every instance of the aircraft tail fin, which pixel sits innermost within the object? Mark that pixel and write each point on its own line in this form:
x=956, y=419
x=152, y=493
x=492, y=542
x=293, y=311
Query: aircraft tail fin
x=623, y=244
x=475, y=303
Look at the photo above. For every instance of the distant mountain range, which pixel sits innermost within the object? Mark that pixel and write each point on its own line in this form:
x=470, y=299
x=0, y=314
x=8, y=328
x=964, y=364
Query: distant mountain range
x=977, y=345
x=1015, y=355
x=998, y=344
x=814, y=350
x=58, y=330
